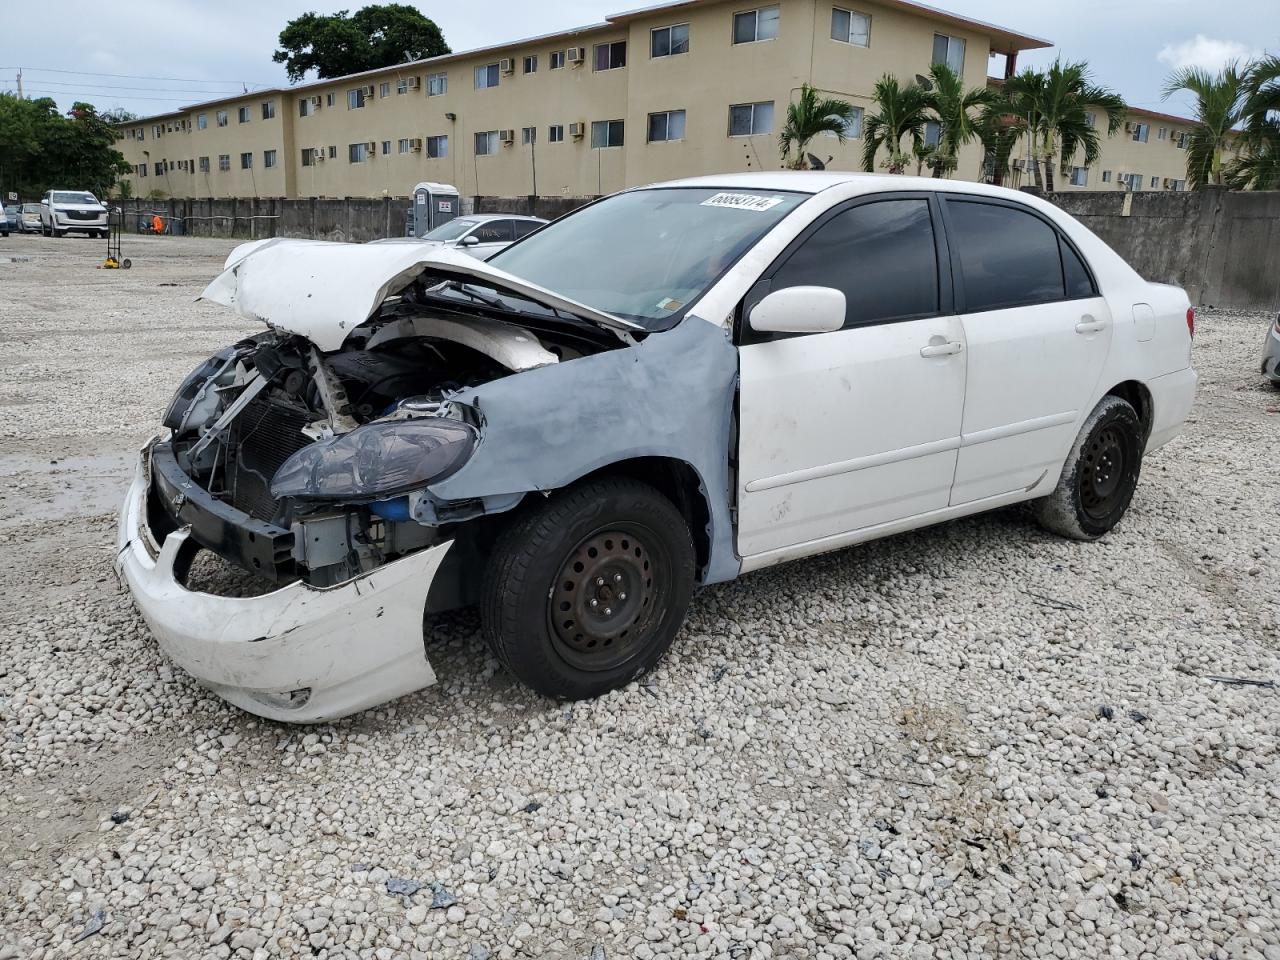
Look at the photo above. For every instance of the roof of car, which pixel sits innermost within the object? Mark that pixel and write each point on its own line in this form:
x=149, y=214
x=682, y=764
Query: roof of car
x=481, y=217
x=815, y=181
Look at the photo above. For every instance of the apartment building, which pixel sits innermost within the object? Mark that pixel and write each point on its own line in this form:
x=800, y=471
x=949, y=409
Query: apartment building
x=680, y=89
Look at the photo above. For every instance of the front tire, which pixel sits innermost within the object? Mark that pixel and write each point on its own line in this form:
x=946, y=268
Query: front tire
x=585, y=592
x=1100, y=474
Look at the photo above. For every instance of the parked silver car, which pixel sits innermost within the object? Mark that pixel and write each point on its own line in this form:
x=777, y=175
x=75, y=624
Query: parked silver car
x=1271, y=353
x=483, y=234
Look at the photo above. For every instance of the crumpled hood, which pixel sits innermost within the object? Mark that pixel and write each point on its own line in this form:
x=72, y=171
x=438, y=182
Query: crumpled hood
x=323, y=291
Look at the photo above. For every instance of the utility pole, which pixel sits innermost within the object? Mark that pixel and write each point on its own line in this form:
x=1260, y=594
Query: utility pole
x=19, y=83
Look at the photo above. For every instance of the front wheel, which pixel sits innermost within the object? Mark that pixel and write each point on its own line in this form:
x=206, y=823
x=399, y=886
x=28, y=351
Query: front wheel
x=1100, y=474
x=586, y=591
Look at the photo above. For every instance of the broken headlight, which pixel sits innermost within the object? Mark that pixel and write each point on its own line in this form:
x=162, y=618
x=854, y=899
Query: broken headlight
x=377, y=460
x=191, y=387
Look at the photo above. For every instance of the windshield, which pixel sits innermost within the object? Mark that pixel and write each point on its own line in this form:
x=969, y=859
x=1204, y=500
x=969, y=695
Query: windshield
x=449, y=231
x=647, y=255
x=67, y=196
x=31, y=208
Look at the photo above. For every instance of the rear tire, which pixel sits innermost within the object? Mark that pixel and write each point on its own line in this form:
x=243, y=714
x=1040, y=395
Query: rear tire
x=585, y=592
x=1100, y=474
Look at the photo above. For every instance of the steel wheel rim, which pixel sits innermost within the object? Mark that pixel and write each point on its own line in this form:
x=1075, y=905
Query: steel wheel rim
x=1105, y=465
x=604, y=596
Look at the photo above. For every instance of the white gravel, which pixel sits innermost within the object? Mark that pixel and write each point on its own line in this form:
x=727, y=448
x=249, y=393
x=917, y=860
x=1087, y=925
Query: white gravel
x=976, y=740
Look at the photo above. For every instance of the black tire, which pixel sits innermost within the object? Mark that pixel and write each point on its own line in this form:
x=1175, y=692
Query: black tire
x=1100, y=474
x=615, y=541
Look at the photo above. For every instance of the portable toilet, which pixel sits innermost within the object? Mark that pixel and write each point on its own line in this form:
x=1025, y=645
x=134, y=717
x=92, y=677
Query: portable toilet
x=434, y=204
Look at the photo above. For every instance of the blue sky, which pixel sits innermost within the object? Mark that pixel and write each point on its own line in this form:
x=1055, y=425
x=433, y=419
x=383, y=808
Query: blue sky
x=205, y=49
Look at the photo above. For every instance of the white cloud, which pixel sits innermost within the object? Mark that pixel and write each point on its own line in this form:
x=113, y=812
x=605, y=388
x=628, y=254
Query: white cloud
x=1205, y=53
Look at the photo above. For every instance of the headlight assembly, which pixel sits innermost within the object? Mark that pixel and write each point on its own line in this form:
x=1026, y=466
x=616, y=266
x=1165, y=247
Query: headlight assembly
x=376, y=460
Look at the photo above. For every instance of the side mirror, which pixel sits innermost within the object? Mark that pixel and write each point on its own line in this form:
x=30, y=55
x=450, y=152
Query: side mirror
x=469, y=241
x=44, y=203
x=799, y=310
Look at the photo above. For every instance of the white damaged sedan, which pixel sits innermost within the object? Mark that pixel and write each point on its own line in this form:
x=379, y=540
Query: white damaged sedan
x=669, y=387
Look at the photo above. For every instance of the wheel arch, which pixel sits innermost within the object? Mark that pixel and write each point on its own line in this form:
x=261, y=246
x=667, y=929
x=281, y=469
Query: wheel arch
x=1136, y=394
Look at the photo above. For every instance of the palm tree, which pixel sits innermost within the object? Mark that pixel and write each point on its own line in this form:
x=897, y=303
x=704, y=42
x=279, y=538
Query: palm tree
x=808, y=117
x=1057, y=105
x=1220, y=100
x=1258, y=165
x=959, y=113
x=900, y=111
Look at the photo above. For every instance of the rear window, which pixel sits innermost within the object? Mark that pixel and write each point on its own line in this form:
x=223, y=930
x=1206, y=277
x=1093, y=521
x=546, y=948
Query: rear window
x=1008, y=257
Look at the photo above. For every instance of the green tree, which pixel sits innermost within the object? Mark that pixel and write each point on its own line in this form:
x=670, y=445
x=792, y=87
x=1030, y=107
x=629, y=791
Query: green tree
x=959, y=113
x=379, y=35
x=807, y=117
x=41, y=149
x=900, y=112
x=1220, y=100
x=1257, y=167
x=1057, y=104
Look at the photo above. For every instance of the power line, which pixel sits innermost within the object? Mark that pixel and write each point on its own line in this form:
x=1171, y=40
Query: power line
x=77, y=96
x=89, y=85
x=130, y=76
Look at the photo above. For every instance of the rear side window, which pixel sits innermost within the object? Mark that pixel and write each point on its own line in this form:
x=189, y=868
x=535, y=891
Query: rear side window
x=525, y=227
x=495, y=231
x=1008, y=258
x=1078, y=282
x=881, y=255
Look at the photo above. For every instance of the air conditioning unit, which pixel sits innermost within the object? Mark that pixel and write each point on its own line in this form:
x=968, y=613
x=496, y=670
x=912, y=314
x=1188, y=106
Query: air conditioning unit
x=575, y=54
x=317, y=155
x=317, y=102
x=414, y=83
x=507, y=136
x=415, y=145
x=507, y=65
x=1128, y=127
x=368, y=91
x=576, y=130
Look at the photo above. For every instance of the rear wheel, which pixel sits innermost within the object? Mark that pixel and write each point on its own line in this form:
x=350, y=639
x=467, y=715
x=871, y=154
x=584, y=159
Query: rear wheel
x=586, y=591
x=1100, y=475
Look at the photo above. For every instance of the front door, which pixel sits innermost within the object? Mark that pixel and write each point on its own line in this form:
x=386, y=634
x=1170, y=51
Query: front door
x=1037, y=334
x=859, y=427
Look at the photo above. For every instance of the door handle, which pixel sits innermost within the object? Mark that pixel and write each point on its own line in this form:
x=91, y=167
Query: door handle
x=1088, y=324
x=948, y=349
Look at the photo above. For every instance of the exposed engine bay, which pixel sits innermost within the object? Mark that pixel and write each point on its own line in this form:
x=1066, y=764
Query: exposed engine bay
x=318, y=462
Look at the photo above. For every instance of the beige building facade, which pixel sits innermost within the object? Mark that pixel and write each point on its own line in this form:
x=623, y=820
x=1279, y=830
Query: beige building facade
x=677, y=90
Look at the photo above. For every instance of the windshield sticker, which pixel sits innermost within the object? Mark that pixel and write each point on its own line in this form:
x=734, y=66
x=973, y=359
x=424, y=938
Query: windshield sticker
x=742, y=201
x=669, y=305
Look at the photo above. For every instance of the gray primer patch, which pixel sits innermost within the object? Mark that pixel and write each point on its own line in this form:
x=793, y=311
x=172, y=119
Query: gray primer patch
x=671, y=395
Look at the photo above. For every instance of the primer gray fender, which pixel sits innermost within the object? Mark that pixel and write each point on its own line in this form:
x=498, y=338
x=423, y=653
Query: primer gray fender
x=670, y=395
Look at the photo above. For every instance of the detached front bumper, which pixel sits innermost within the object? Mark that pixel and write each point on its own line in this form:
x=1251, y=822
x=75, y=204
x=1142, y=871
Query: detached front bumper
x=300, y=654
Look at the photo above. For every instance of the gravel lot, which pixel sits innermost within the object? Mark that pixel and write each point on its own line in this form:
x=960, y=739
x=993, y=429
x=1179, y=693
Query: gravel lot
x=977, y=740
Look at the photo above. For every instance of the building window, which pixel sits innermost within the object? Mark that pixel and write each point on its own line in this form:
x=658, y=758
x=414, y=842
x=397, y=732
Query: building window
x=487, y=76
x=853, y=126
x=1090, y=119
x=202, y=121
x=749, y=119
x=437, y=147
x=268, y=158
x=752, y=26
x=384, y=89
x=1162, y=133
x=531, y=64
x=668, y=125
x=159, y=169
x=606, y=133
x=308, y=156
x=243, y=114
x=204, y=164
x=850, y=27
x=328, y=101
x=355, y=98
x=1106, y=176
x=669, y=41
x=949, y=50
x=246, y=161
x=528, y=135
x=437, y=84
x=932, y=133
x=610, y=56
x=268, y=110
x=486, y=143
x=402, y=145
x=402, y=86
x=1079, y=176
x=386, y=148
x=1178, y=185
x=1180, y=140
x=221, y=118
x=557, y=59
x=224, y=162
x=333, y=152
x=304, y=106
x=357, y=152
x=1141, y=132
x=555, y=133
x=1155, y=182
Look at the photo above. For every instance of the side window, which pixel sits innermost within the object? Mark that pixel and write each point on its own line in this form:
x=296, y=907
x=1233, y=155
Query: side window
x=495, y=231
x=1078, y=282
x=881, y=255
x=525, y=227
x=1008, y=257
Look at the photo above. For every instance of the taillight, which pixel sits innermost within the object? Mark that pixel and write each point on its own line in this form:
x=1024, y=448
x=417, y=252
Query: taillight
x=1191, y=321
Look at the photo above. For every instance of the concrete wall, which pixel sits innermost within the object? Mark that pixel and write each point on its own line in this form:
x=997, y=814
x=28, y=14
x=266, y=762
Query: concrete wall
x=1222, y=246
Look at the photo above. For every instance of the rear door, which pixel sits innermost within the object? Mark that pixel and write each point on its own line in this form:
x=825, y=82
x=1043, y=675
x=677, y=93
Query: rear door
x=1038, y=335
x=858, y=427
x=493, y=236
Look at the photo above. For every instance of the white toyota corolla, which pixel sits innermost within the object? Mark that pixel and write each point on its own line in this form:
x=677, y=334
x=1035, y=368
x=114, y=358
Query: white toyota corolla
x=669, y=387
